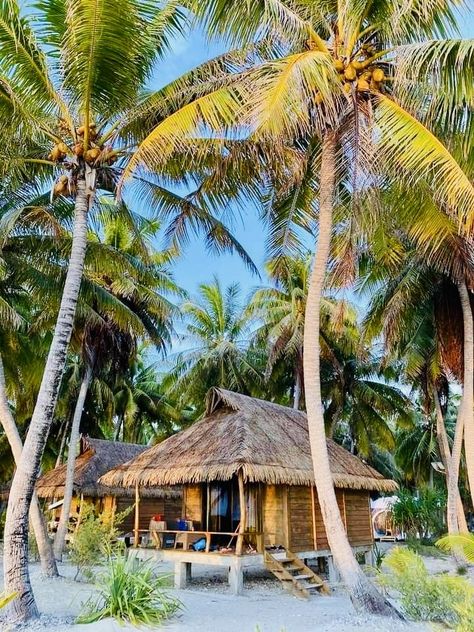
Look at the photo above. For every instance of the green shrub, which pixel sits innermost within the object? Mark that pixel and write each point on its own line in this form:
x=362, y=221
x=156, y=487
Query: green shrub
x=443, y=598
x=420, y=516
x=94, y=539
x=130, y=592
x=379, y=555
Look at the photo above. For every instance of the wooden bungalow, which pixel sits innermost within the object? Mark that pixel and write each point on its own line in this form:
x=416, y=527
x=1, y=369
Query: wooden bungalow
x=97, y=456
x=247, y=471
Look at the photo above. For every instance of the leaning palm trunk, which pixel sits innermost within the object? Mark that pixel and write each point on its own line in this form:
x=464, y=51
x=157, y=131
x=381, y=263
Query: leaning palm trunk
x=61, y=532
x=16, y=574
x=467, y=404
x=363, y=593
x=298, y=386
x=455, y=511
x=48, y=564
x=62, y=445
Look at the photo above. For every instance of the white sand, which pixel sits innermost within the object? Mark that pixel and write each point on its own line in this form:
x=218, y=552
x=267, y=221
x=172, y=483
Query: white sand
x=208, y=607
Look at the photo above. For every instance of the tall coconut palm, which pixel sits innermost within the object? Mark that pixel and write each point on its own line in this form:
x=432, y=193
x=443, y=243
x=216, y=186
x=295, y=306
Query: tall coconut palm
x=137, y=307
x=343, y=93
x=409, y=308
x=217, y=334
x=74, y=109
x=17, y=307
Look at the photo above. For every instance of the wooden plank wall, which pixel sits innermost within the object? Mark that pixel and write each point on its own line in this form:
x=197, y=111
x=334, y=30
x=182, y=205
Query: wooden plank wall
x=355, y=514
x=359, y=523
x=170, y=508
x=300, y=518
x=192, y=505
x=275, y=516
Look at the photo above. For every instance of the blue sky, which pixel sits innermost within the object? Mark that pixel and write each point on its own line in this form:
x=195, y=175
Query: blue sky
x=197, y=265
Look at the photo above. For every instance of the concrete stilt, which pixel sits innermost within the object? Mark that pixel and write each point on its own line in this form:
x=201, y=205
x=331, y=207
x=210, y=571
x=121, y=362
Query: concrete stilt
x=236, y=577
x=182, y=574
x=334, y=577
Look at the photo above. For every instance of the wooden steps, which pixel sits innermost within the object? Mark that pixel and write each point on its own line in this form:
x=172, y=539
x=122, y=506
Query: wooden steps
x=295, y=576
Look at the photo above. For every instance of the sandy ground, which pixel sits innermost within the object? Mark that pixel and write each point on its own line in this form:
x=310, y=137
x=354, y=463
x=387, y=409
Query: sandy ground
x=208, y=607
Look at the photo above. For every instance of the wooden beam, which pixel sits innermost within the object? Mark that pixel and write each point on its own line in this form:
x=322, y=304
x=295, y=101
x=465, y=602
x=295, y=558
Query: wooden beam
x=313, y=511
x=137, y=517
x=243, y=514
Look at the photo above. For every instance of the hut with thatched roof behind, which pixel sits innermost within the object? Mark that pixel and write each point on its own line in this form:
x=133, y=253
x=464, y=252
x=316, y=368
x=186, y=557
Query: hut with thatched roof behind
x=246, y=469
x=96, y=457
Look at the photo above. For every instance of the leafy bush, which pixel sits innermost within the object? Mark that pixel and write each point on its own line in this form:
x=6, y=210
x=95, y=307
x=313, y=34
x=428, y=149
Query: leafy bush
x=443, y=598
x=421, y=515
x=379, y=556
x=95, y=538
x=130, y=592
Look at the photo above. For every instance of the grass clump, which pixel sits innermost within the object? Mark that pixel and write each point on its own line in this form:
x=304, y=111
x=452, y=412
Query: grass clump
x=130, y=593
x=444, y=599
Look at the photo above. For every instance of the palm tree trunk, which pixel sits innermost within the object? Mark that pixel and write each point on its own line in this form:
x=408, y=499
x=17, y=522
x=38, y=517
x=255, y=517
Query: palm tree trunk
x=62, y=445
x=455, y=511
x=467, y=404
x=16, y=573
x=61, y=532
x=297, y=391
x=363, y=593
x=456, y=519
x=48, y=564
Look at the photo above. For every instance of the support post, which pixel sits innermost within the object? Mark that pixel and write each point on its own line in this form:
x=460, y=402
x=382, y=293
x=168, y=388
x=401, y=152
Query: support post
x=243, y=514
x=313, y=510
x=236, y=577
x=333, y=573
x=136, y=530
x=182, y=574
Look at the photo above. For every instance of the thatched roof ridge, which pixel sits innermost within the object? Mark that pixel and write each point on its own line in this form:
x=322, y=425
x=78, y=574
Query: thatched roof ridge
x=268, y=442
x=96, y=456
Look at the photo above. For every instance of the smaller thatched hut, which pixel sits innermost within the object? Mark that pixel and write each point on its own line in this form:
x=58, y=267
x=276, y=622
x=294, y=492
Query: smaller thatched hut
x=247, y=467
x=97, y=456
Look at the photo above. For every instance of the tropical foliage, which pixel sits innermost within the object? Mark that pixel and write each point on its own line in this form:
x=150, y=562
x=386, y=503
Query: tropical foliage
x=349, y=126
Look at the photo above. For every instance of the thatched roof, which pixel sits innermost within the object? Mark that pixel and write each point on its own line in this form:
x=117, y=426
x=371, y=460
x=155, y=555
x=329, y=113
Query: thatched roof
x=268, y=442
x=96, y=457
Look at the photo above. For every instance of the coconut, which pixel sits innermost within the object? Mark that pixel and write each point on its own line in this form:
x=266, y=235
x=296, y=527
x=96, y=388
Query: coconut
x=78, y=149
x=57, y=154
x=347, y=88
x=378, y=75
x=358, y=65
x=339, y=64
x=350, y=73
x=60, y=188
x=363, y=85
x=80, y=130
x=91, y=155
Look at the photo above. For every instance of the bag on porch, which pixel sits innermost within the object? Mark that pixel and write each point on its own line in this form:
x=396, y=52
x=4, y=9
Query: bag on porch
x=199, y=545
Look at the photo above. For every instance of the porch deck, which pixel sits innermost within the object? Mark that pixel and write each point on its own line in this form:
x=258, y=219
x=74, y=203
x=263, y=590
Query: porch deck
x=183, y=560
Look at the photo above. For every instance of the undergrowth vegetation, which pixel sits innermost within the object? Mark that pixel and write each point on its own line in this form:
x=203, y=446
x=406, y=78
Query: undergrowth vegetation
x=131, y=593
x=95, y=540
x=443, y=598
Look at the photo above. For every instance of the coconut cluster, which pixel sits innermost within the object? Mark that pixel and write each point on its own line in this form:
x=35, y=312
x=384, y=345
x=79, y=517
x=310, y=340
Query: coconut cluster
x=361, y=72
x=72, y=154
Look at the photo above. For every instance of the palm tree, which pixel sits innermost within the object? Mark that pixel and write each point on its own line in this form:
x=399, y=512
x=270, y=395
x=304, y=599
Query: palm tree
x=137, y=308
x=74, y=109
x=17, y=306
x=409, y=308
x=218, y=328
x=343, y=95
